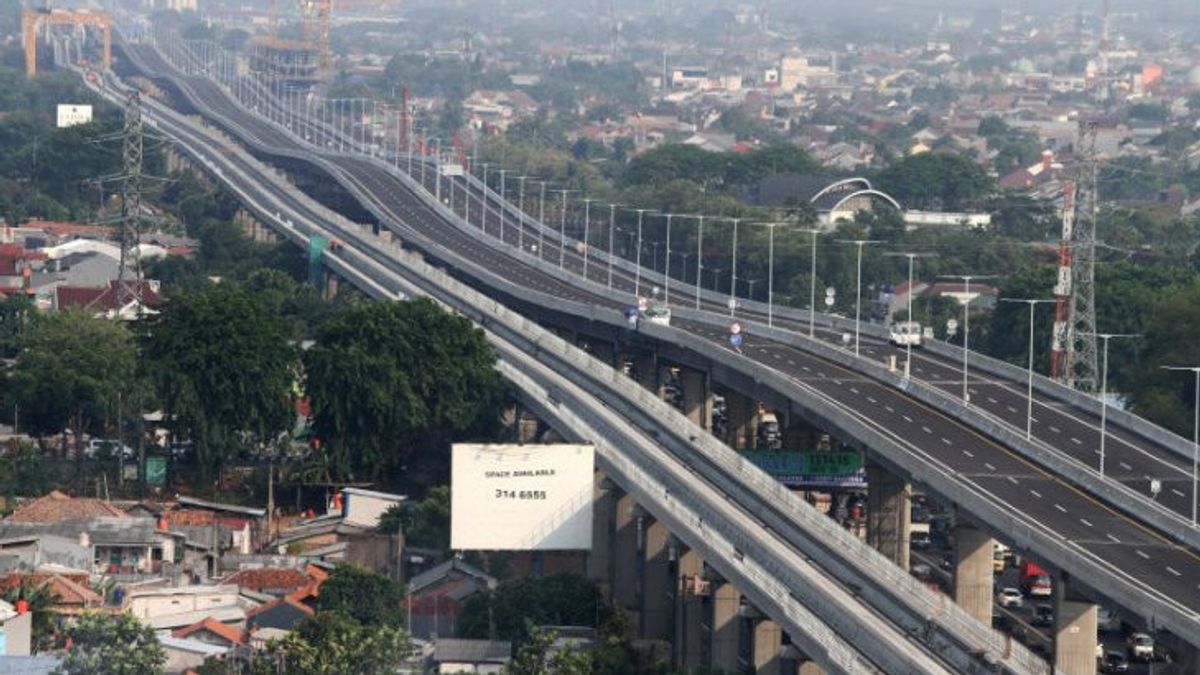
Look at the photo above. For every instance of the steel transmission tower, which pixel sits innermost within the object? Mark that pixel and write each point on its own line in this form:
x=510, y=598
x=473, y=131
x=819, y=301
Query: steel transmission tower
x=1082, y=370
x=131, y=206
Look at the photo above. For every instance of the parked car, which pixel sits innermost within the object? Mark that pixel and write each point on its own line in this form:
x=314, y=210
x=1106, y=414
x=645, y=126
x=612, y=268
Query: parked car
x=1010, y=597
x=1114, y=662
x=1043, y=615
x=106, y=447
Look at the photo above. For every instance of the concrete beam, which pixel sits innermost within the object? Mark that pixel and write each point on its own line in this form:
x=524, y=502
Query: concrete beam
x=600, y=559
x=973, y=577
x=889, y=513
x=628, y=544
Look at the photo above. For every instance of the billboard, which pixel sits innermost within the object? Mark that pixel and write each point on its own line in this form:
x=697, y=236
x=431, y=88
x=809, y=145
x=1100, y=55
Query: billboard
x=521, y=497
x=69, y=114
x=812, y=469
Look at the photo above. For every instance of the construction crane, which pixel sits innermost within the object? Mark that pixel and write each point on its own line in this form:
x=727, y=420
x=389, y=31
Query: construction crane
x=33, y=19
x=317, y=16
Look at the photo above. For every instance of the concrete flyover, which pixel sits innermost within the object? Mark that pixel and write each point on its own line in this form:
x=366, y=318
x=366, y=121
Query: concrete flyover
x=755, y=550
x=1064, y=532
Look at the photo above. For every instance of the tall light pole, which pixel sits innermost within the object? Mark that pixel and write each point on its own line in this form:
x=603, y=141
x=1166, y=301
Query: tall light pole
x=859, y=243
x=562, y=227
x=1033, y=303
x=908, y=346
x=587, y=226
x=667, y=266
x=966, y=279
x=612, y=222
x=637, y=263
x=812, y=282
x=699, y=258
x=542, y=223
x=1105, y=337
x=521, y=208
x=733, y=271
x=484, y=199
x=501, y=205
x=771, y=273
x=1195, y=437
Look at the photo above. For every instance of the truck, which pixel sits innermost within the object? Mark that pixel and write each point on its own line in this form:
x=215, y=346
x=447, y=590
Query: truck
x=769, y=435
x=1034, y=580
x=903, y=333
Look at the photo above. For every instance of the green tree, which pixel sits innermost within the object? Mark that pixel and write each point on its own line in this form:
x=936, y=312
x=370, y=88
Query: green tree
x=40, y=599
x=16, y=311
x=388, y=379
x=224, y=370
x=72, y=370
x=332, y=643
x=936, y=181
x=111, y=644
x=1163, y=396
x=369, y=598
x=508, y=612
x=537, y=656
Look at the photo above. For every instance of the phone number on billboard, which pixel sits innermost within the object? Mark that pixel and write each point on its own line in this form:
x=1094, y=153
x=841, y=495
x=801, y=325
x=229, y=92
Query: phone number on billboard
x=520, y=494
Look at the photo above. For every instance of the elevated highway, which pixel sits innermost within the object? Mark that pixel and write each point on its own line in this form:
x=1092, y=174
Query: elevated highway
x=967, y=454
x=844, y=605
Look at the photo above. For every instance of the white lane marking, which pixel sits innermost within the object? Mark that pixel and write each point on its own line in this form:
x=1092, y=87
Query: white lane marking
x=1011, y=409
x=1144, y=556
x=1178, y=492
x=872, y=401
x=1085, y=522
x=989, y=466
x=907, y=419
x=806, y=368
x=1126, y=466
x=1012, y=480
x=992, y=400
x=791, y=362
x=1076, y=441
x=926, y=429
x=1172, y=570
x=889, y=408
x=1035, y=493
x=1035, y=420
x=1055, y=429
x=971, y=455
x=1060, y=508
x=1115, y=540
x=946, y=440
x=853, y=390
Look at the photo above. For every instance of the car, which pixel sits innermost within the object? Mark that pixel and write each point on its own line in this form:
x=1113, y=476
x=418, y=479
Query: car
x=903, y=333
x=1140, y=647
x=104, y=447
x=1114, y=662
x=659, y=315
x=920, y=541
x=1043, y=615
x=1010, y=597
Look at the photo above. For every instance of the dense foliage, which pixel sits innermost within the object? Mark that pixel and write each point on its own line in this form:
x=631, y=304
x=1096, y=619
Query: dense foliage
x=331, y=644
x=508, y=612
x=111, y=644
x=370, y=599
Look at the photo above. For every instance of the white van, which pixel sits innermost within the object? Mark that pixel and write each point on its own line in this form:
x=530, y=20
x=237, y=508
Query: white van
x=905, y=333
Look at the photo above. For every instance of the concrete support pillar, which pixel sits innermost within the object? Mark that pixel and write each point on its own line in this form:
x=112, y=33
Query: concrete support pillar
x=809, y=668
x=973, y=578
x=1074, y=633
x=331, y=286
x=600, y=559
x=726, y=627
x=740, y=410
x=889, y=513
x=657, y=587
x=798, y=435
x=645, y=363
x=768, y=638
x=602, y=350
x=688, y=649
x=697, y=397
x=627, y=546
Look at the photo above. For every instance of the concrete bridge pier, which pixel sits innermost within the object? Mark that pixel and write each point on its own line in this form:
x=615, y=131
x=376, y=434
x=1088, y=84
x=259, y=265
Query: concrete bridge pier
x=600, y=559
x=768, y=643
x=628, y=544
x=726, y=627
x=691, y=595
x=889, y=513
x=740, y=412
x=1074, y=631
x=657, y=598
x=795, y=662
x=645, y=367
x=697, y=397
x=973, y=577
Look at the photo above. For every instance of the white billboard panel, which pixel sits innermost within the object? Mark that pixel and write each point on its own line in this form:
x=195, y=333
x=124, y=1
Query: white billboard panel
x=521, y=497
x=69, y=115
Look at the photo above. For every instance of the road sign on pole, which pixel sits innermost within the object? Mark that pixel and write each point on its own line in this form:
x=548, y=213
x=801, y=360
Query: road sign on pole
x=735, y=328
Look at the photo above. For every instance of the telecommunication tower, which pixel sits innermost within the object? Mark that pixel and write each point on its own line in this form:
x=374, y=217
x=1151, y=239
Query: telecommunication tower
x=131, y=205
x=1074, y=352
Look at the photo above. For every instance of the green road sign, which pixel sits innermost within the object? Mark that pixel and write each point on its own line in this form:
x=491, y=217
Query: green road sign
x=156, y=470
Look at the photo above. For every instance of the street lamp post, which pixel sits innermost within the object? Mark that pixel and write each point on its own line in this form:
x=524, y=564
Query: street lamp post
x=667, y=266
x=562, y=228
x=860, y=243
x=521, y=208
x=1105, y=337
x=612, y=221
x=542, y=223
x=587, y=227
x=1195, y=438
x=699, y=258
x=1033, y=303
x=733, y=271
x=908, y=347
x=501, y=205
x=770, y=273
x=637, y=263
x=483, y=199
x=966, y=279
x=812, y=283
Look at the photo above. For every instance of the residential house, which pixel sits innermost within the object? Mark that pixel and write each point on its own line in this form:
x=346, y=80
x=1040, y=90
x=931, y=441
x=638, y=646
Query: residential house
x=347, y=532
x=117, y=545
x=184, y=655
x=56, y=507
x=436, y=596
x=71, y=589
x=211, y=631
x=271, y=581
x=282, y=614
x=179, y=607
x=469, y=656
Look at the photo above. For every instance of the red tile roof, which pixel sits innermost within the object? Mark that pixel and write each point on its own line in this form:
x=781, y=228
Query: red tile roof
x=268, y=578
x=70, y=229
x=97, y=299
x=226, y=632
x=275, y=603
x=56, y=507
